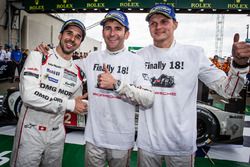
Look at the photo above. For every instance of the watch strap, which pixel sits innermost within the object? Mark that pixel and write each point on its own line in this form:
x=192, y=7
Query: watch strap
x=239, y=66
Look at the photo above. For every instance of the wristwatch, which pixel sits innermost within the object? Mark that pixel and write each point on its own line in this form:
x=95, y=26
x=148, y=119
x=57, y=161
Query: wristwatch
x=117, y=84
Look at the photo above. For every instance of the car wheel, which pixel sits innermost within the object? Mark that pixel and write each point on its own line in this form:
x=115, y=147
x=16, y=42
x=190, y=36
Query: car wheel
x=15, y=103
x=207, y=127
x=18, y=106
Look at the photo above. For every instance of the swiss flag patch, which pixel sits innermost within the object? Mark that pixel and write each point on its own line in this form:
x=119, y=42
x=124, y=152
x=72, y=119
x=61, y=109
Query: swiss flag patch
x=42, y=128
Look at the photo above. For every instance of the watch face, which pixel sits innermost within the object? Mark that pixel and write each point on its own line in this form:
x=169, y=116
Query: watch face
x=117, y=85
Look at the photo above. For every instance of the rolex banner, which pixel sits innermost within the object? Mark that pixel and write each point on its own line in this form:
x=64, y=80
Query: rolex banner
x=131, y=5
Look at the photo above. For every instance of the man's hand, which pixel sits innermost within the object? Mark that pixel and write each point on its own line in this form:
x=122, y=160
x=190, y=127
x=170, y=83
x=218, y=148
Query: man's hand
x=80, y=105
x=44, y=49
x=106, y=80
x=240, y=51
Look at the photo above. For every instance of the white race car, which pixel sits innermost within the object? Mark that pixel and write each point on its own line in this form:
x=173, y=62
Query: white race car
x=213, y=125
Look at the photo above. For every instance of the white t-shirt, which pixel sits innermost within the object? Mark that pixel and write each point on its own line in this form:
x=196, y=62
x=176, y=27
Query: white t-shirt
x=169, y=128
x=111, y=118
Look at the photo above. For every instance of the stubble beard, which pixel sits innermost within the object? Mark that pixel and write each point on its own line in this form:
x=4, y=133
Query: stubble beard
x=67, y=52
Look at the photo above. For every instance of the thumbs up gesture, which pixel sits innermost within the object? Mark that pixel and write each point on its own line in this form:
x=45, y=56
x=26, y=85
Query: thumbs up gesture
x=240, y=51
x=105, y=80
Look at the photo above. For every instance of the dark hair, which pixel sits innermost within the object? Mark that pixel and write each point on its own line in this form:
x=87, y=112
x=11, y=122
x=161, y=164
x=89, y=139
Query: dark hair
x=74, y=22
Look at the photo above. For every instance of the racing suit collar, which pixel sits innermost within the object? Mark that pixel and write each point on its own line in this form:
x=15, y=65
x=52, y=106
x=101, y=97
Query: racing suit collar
x=63, y=62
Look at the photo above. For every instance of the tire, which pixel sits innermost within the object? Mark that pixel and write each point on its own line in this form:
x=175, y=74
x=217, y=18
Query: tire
x=18, y=106
x=15, y=103
x=207, y=127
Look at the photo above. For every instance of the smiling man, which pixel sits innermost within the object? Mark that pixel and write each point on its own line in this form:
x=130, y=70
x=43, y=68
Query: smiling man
x=116, y=84
x=167, y=131
x=40, y=133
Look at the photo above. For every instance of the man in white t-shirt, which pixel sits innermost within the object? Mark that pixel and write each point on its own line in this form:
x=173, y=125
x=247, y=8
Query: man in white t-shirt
x=168, y=129
x=116, y=84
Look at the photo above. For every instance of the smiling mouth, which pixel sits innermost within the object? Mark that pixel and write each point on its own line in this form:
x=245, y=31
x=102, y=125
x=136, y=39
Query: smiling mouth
x=112, y=41
x=158, y=33
x=69, y=45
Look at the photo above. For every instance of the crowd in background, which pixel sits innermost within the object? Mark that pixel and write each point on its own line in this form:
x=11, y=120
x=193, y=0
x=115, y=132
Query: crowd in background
x=14, y=57
x=79, y=55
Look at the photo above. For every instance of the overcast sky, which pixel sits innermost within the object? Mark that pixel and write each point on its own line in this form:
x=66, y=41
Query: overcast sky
x=195, y=29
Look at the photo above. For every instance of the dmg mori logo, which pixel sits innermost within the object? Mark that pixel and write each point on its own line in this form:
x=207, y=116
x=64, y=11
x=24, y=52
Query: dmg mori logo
x=36, y=2
x=237, y=1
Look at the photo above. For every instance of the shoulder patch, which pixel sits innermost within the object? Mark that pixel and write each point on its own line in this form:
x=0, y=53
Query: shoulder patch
x=44, y=59
x=81, y=74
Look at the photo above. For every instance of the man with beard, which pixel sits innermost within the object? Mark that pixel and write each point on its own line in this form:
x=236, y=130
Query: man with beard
x=49, y=85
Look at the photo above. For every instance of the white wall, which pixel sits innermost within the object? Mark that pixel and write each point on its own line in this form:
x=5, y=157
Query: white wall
x=46, y=28
x=3, y=29
x=38, y=28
